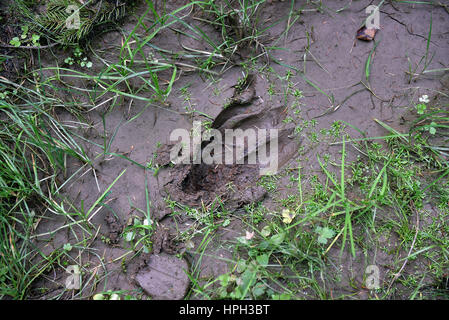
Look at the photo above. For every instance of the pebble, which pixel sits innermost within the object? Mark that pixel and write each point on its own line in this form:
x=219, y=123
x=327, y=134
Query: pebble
x=164, y=277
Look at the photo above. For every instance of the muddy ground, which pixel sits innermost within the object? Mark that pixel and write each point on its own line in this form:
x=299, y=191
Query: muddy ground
x=337, y=69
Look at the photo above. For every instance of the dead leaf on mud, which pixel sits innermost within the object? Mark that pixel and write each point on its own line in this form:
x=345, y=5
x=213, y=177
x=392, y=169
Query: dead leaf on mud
x=366, y=34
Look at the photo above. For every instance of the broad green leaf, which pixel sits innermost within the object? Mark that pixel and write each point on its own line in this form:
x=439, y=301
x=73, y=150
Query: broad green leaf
x=262, y=260
x=277, y=239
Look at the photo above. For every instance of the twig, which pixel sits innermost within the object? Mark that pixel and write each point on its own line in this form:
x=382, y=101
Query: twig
x=333, y=109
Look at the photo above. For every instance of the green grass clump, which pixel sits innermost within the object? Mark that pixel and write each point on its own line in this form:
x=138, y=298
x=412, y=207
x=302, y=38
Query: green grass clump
x=33, y=149
x=90, y=15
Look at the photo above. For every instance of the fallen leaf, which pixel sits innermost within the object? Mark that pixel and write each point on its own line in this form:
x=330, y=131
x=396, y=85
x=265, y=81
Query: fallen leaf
x=366, y=34
x=287, y=216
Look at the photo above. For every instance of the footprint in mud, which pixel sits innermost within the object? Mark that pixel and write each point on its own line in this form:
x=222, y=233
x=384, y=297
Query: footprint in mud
x=197, y=184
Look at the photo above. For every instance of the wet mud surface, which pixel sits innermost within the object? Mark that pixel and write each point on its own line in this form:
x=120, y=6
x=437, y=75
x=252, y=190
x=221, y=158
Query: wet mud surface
x=233, y=185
